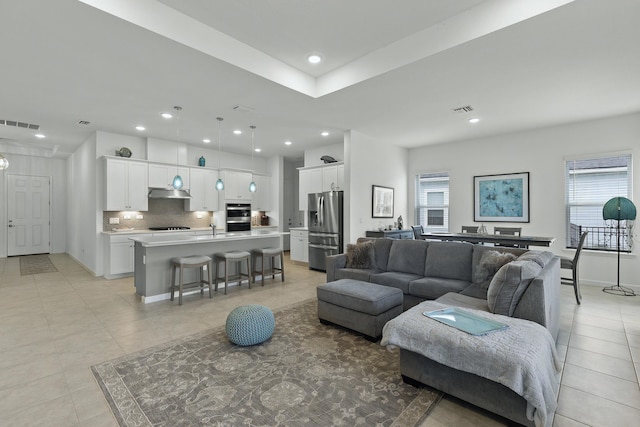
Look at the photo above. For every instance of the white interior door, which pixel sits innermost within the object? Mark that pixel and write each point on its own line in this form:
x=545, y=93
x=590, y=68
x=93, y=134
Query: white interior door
x=28, y=207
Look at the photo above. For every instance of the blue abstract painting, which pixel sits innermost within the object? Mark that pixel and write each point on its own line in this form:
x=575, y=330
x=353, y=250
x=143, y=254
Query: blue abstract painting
x=502, y=197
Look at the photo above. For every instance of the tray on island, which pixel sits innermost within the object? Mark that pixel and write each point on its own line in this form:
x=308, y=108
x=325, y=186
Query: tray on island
x=465, y=321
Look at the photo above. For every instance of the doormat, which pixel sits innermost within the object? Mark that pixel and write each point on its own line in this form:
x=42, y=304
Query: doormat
x=36, y=264
x=307, y=374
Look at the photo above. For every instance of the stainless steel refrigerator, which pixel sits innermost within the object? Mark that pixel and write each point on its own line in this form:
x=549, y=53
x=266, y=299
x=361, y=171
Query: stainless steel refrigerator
x=325, y=227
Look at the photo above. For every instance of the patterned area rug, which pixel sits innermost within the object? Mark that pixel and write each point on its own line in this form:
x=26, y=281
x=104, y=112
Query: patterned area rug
x=307, y=374
x=36, y=264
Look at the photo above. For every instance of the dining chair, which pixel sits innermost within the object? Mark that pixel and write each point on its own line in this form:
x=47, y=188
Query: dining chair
x=508, y=231
x=572, y=264
x=470, y=229
x=417, y=232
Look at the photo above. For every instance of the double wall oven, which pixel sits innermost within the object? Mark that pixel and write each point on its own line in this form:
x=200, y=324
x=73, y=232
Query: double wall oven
x=238, y=217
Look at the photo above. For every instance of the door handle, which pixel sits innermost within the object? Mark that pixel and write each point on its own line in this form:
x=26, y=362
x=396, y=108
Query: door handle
x=11, y=225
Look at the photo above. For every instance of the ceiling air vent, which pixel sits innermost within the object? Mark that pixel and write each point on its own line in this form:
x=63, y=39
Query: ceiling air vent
x=17, y=124
x=464, y=109
x=84, y=122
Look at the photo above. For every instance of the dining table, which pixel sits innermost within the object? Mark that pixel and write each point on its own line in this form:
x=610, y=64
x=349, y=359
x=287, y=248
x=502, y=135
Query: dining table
x=500, y=239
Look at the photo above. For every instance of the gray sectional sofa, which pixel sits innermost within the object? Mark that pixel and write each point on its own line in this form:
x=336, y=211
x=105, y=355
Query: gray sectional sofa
x=524, y=284
x=457, y=274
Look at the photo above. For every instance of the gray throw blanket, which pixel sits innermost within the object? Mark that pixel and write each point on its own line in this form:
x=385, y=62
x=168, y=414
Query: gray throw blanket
x=522, y=357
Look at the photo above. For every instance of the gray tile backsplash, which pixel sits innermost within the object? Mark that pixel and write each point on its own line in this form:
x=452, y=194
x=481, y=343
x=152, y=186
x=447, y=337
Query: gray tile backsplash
x=161, y=213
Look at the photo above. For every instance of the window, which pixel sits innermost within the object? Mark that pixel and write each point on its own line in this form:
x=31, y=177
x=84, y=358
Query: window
x=590, y=183
x=432, y=201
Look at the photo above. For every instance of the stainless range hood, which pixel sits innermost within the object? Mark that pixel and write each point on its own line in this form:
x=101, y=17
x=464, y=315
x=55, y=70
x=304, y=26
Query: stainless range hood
x=168, y=193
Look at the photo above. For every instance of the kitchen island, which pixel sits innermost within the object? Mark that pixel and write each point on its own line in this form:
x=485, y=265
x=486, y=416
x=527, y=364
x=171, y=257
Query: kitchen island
x=152, y=271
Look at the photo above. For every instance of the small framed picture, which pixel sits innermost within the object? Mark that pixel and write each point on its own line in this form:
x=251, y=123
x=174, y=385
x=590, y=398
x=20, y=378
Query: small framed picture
x=381, y=202
x=501, y=198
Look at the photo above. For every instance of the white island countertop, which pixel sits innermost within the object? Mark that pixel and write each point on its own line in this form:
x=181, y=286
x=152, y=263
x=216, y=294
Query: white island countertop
x=177, y=239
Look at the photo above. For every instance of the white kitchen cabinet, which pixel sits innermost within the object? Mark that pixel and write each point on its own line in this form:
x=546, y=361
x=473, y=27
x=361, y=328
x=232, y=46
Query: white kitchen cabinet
x=120, y=255
x=299, y=247
x=161, y=175
x=329, y=178
x=126, y=185
x=318, y=179
x=261, y=200
x=204, y=196
x=236, y=186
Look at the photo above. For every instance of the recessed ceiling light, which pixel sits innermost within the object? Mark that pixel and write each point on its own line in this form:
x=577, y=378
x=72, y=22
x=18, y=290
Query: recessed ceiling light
x=257, y=150
x=206, y=140
x=39, y=135
x=237, y=131
x=140, y=128
x=287, y=143
x=474, y=120
x=166, y=115
x=325, y=133
x=314, y=59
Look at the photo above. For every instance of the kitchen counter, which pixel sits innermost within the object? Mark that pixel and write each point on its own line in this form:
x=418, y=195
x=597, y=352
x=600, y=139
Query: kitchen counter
x=153, y=253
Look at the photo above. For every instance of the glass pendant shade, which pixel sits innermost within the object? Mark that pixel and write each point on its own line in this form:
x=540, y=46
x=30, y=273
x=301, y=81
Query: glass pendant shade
x=4, y=163
x=219, y=184
x=177, y=182
x=253, y=187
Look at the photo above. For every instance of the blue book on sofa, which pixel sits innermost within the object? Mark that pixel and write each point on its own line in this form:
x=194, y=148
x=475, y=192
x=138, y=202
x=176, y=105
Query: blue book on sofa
x=465, y=321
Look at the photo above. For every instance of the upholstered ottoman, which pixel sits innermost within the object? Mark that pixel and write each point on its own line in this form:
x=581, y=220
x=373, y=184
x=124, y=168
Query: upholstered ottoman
x=250, y=324
x=360, y=306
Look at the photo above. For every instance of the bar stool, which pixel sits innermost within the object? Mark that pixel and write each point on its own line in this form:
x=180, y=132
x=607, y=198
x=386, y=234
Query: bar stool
x=197, y=261
x=271, y=253
x=232, y=256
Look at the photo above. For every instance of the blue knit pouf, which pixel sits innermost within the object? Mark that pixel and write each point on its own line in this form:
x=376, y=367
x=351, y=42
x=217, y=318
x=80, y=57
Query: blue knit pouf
x=250, y=324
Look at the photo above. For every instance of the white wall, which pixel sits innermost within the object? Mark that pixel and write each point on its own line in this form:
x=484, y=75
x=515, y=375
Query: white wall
x=540, y=152
x=37, y=166
x=369, y=162
x=82, y=231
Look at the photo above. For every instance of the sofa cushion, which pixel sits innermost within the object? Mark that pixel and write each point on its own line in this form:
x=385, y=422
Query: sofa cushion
x=394, y=279
x=360, y=296
x=360, y=255
x=449, y=260
x=488, y=266
x=381, y=248
x=407, y=256
x=435, y=287
x=355, y=273
x=509, y=284
x=464, y=301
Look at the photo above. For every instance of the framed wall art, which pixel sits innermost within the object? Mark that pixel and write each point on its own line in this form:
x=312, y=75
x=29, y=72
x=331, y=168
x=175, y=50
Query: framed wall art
x=381, y=202
x=501, y=198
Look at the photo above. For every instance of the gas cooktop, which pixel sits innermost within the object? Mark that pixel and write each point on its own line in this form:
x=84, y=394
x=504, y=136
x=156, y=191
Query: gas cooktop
x=169, y=228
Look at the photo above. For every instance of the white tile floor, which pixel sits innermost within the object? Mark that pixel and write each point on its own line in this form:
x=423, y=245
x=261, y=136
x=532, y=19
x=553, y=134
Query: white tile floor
x=54, y=326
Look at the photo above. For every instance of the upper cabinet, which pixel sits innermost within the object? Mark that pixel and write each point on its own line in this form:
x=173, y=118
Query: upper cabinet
x=204, y=196
x=161, y=175
x=236, y=186
x=261, y=200
x=126, y=185
x=319, y=179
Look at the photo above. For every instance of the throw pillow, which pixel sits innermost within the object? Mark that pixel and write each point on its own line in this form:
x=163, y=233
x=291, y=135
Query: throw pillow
x=489, y=265
x=360, y=255
x=508, y=285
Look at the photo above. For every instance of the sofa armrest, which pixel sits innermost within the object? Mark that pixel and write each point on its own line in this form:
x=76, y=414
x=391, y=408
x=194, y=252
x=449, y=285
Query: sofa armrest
x=541, y=300
x=334, y=262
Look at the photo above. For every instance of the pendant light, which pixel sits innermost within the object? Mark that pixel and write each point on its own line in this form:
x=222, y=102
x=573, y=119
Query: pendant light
x=177, y=180
x=4, y=163
x=219, y=182
x=252, y=185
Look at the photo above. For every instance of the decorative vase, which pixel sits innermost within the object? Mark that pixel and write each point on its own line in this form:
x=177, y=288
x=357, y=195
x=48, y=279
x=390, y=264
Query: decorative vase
x=201, y=161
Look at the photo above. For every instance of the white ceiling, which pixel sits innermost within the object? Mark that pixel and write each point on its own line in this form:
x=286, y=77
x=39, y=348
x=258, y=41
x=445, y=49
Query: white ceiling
x=391, y=70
